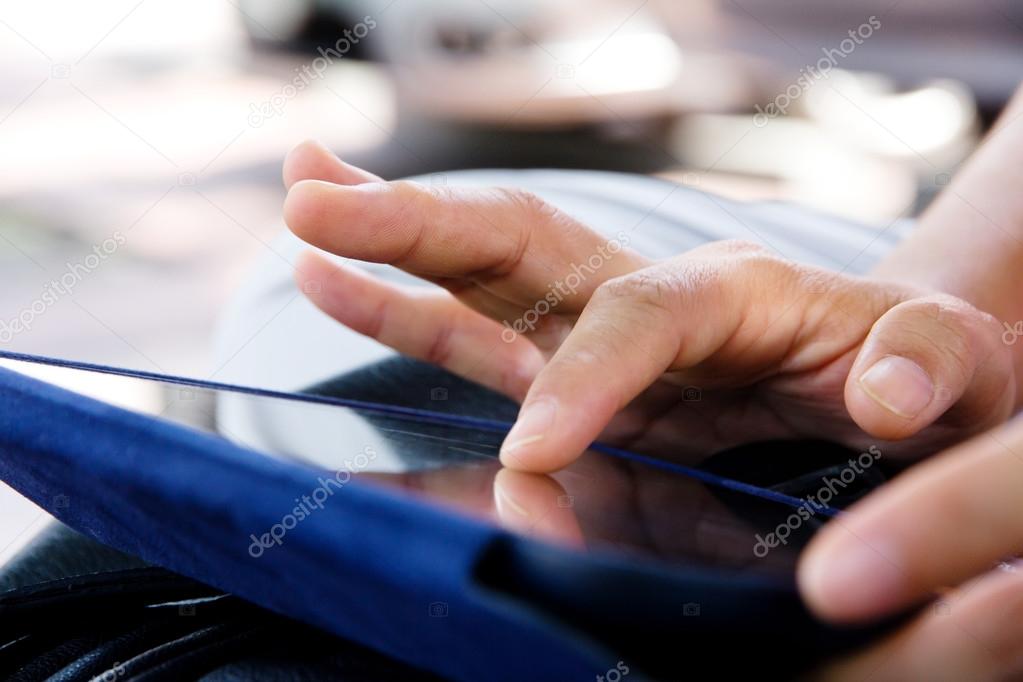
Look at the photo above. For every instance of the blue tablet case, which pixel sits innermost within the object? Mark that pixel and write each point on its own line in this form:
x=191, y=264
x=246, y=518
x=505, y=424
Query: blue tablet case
x=438, y=590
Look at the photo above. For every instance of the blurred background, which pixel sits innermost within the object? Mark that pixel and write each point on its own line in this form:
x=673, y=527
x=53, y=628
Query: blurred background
x=141, y=140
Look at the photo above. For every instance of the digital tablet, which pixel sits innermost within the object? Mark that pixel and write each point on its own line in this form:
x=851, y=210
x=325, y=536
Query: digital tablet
x=381, y=493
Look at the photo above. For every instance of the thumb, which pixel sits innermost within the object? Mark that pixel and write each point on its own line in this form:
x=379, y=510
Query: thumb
x=924, y=357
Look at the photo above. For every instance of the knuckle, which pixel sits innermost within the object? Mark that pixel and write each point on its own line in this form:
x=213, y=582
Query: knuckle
x=417, y=203
x=411, y=192
x=816, y=282
x=532, y=210
x=645, y=289
x=943, y=325
x=663, y=292
x=375, y=322
x=765, y=277
x=748, y=260
x=414, y=203
x=532, y=207
x=767, y=270
x=736, y=247
x=440, y=349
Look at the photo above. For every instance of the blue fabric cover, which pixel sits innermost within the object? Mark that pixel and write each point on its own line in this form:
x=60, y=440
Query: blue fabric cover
x=368, y=566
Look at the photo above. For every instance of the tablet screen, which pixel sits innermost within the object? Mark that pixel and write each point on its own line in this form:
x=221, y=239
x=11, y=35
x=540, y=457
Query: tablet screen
x=602, y=502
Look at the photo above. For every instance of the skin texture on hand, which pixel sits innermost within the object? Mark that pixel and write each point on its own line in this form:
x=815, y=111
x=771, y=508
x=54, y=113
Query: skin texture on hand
x=940, y=531
x=776, y=349
x=773, y=350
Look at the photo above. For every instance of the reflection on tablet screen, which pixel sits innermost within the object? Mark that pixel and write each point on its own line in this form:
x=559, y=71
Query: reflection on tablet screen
x=599, y=503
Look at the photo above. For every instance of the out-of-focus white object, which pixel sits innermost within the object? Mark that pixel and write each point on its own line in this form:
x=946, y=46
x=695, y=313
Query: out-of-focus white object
x=521, y=63
x=932, y=126
x=853, y=143
x=525, y=62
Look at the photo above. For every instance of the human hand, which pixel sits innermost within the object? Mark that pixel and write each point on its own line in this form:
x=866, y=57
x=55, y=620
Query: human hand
x=941, y=529
x=776, y=349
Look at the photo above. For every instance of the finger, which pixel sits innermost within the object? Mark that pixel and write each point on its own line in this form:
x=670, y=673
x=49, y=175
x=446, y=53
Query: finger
x=923, y=357
x=426, y=324
x=535, y=504
x=633, y=330
x=507, y=240
x=970, y=634
x=468, y=488
x=938, y=524
x=312, y=161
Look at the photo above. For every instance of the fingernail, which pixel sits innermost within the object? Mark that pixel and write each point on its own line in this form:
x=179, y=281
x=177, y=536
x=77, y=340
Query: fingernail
x=533, y=423
x=855, y=579
x=506, y=502
x=899, y=385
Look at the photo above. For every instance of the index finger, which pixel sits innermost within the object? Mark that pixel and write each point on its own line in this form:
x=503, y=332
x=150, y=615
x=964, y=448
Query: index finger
x=506, y=240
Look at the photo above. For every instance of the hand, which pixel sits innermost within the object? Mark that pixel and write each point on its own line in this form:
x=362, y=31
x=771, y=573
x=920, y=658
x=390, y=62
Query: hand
x=939, y=529
x=776, y=349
